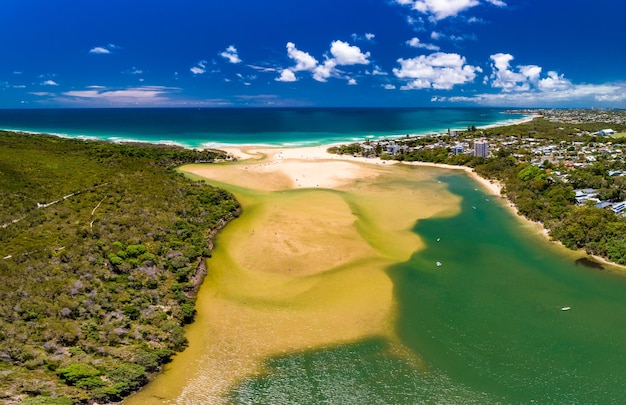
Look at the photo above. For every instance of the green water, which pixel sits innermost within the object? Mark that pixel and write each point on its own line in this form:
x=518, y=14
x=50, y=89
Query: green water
x=487, y=323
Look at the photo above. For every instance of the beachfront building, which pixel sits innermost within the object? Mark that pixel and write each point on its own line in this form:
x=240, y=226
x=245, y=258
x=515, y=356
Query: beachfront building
x=619, y=208
x=481, y=148
x=457, y=149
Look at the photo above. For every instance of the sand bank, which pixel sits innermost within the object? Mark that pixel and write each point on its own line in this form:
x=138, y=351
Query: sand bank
x=304, y=267
x=336, y=174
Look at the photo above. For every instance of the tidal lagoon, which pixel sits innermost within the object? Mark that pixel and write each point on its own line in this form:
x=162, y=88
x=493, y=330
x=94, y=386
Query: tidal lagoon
x=391, y=284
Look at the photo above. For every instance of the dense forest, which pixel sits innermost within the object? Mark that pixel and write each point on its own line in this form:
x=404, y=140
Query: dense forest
x=541, y=192
x=102, y=246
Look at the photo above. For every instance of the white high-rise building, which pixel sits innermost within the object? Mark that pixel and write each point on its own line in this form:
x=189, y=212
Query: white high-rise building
x=481, y=148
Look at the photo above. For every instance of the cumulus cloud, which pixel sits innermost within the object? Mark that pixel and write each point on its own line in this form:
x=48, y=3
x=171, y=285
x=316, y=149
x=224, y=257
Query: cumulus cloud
x=286, y=75
x=231, y=55
x=103, y=50
x=49, y=83
x=437, y=10
x=199, y=68
x=376, y=71
x=524, y=77
x=554, y=82
x=346, y=54
x=324, y=71
x=352, y=82
x=368, y=36
x=439, y=70
x=99, y=50
x=341, y=54
x=416, y=43
x=304, y=61
x=527, y=85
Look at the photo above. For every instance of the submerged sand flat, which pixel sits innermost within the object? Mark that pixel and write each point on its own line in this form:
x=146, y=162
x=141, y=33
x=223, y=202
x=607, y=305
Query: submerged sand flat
x=302, y=268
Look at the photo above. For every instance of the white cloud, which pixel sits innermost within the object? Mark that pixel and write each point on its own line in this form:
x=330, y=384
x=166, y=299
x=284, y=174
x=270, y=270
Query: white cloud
x=368, y=36
x=551, y=91
x=352, y=82
x=532, y=72
x=389, y=86
x=304, y=61
x=343, y=54
x=231, y=54
x=554, y=82
x=377, y=71
x=199, y=68
x=584, y=93
x=438, y=71
x=505, y=78
x=286, y=75
x=525, y=77
x=41, y=93
x=133, y=71
x=437, y=36
x=99, y=50
x=103, y=50
x=416, y=43
x=49, y=83
x=128, y=96
x=264, y=69
x=437, y=10
x=346, y=54
x=612, y=98
x=325, y=70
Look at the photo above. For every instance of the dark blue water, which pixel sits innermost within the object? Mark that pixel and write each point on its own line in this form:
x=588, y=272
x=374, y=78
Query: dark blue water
x=281, y=126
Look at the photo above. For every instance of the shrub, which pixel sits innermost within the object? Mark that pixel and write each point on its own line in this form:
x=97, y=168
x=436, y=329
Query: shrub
x=75, y=373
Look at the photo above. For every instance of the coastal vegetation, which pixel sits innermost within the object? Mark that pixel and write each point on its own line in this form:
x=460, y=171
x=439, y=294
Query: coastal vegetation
x=102, y=247
x=540, y=165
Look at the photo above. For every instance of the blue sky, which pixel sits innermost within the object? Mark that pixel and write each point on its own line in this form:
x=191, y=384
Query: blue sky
x=382, y=53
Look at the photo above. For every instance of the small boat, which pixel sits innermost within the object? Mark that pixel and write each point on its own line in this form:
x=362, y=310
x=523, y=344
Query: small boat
x=566, y=308
x=438, y=264
x=438, y=239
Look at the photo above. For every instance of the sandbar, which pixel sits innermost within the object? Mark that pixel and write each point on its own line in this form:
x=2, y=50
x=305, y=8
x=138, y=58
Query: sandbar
x=303, y=267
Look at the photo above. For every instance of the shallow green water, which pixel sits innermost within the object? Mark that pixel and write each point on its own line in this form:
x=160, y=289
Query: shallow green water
x=487, y=322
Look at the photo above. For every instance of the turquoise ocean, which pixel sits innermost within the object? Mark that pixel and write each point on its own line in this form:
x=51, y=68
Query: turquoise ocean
x=218, y=127
x=488, y=324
